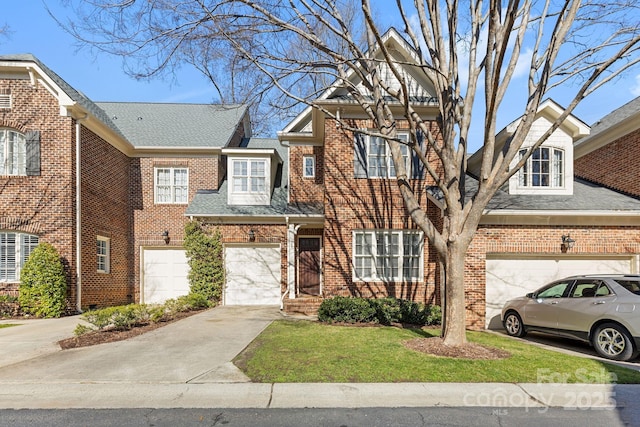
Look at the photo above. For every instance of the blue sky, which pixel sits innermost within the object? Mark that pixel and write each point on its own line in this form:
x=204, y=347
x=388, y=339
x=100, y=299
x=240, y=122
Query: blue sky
x=101, y=78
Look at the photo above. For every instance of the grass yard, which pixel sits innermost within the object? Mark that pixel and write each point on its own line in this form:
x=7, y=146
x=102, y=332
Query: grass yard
x=303, y=351
x=7, y=325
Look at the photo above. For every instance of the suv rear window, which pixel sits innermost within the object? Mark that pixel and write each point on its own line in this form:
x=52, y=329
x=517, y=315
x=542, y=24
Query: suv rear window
x=630, y=285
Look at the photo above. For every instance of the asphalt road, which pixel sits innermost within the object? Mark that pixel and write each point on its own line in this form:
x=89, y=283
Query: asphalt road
x=370, y=417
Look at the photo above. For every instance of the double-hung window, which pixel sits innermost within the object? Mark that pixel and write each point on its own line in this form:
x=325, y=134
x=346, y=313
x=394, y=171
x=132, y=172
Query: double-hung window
x=13, y=153
x=388, y=255
x=544, y=168
x=379, y=159
x=15, y=249
x=103, y=255
x=171, y=185
x=309, y=166
x=249, y=176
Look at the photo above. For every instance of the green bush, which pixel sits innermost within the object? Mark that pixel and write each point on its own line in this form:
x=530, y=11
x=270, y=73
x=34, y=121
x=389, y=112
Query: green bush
x=206, y=269
x=43, y=286
x=346, y=309
x=126, y=317
x=385, y=311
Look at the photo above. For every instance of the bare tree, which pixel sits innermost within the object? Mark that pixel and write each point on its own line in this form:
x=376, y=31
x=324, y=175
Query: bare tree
x=469, y=50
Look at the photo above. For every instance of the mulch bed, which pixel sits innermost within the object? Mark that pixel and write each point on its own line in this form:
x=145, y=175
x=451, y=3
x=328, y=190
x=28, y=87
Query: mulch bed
x=435, y=347
x=102, y=337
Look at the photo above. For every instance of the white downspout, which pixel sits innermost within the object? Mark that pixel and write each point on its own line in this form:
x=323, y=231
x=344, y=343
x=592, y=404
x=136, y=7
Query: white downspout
x=79, y=215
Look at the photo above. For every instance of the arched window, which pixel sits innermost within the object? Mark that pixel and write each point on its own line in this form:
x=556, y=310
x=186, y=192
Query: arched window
x=15, y=249
x=544, y=168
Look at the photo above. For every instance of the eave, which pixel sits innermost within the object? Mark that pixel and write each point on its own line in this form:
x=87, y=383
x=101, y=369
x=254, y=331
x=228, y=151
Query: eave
x=565, y=218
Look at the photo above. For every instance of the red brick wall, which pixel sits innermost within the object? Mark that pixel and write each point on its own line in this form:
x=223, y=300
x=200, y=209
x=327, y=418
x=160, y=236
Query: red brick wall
x=301, y=189
x=41, y=205
x=351, y=204
x=612, y=166
x=105, y=212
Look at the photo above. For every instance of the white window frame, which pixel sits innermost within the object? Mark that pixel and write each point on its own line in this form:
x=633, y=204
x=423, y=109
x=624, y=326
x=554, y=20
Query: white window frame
x=253, y=181
x=556, y=169
x=308, y=162
x=21, y=247
x=386, y=157
x=103, y=254
x=13, y=153
x=171, y=192
x=372, y=262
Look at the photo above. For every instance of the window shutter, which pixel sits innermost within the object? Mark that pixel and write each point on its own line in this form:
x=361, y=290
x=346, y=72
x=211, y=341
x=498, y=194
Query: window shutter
x=33, y=152
x=417, y=167
x=360, y=156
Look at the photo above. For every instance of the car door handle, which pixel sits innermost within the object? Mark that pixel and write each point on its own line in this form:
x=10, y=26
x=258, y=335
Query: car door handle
x=599, y=302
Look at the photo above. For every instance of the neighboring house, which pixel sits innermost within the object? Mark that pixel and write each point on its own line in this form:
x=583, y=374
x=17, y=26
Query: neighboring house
x=107, y=184
x=312, y=214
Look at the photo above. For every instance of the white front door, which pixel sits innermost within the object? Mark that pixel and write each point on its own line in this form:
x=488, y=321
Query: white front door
x=252, y=275
x=511, y=277
x=164, y=275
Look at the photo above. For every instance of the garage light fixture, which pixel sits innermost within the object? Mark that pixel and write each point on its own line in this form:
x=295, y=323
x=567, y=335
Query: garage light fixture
x=252, y=236
x=165, y=237
x=567, y=242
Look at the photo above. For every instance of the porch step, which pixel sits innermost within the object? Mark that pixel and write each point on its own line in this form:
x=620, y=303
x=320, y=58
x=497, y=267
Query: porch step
x=305, y=305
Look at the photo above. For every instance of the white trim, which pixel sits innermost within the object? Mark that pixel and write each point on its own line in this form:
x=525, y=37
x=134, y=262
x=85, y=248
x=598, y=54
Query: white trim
x=172, y=186
x=107, y=255
x=311, y=157
x=400, y=255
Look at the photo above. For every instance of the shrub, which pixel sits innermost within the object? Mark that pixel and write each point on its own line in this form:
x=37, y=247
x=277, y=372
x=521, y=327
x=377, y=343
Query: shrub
x=9, y=306
x=385, y=311
x=346, y=309
x=43, y=286
x=206, y=269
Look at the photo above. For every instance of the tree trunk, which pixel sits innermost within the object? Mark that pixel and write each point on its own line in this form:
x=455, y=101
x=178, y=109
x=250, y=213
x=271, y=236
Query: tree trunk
x=453, y=332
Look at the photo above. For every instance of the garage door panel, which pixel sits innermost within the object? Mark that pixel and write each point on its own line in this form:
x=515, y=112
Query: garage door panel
x=510, y=278
x=253, y=275
x=165, y=274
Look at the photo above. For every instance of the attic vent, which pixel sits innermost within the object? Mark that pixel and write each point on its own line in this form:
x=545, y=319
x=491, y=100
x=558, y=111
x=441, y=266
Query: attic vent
x=5, y=101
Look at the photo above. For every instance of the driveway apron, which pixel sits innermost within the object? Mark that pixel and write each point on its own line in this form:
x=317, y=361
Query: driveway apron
x=197, y=349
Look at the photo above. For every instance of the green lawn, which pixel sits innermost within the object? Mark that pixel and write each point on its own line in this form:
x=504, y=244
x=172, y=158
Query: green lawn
x=7, y=325
x=303, y=351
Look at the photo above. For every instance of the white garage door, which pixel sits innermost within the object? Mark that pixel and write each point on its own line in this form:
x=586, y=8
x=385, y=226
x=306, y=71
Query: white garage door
x=514, y=277
x=252, y=275
x=164, y=275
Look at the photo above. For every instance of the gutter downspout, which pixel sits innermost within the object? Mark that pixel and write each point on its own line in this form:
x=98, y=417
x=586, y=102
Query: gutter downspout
x=79, y=215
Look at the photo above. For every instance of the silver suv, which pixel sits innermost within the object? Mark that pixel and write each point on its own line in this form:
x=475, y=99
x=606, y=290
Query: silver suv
x=603, y=310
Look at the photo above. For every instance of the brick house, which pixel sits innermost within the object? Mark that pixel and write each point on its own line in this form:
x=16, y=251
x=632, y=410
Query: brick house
x=118, y=223
x=310, y=214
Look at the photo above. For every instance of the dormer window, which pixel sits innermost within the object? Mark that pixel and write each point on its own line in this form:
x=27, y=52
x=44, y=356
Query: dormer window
x=544, y=168
x=249, y=176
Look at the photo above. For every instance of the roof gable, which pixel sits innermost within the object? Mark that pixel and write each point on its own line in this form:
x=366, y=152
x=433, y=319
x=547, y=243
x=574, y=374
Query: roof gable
x=308, y=126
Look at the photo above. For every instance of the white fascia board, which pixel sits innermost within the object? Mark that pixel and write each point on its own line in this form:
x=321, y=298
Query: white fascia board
x=257, y=219
x=252, y=153
x=550, y=217
x=618, y=130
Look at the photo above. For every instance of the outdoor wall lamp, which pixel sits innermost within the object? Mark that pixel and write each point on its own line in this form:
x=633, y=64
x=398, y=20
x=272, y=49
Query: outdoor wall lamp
x=252, y=236
x=567, y=242
x=165, y=237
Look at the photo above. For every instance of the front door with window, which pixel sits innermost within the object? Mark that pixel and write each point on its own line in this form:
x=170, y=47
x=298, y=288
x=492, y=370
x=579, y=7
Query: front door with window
x=309, y=265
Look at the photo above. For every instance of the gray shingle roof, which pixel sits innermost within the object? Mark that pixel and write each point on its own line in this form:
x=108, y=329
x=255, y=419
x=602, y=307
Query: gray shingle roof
x=615, y=117
x=207, y=203
x=586, y=197
x=72, y=93
x=175, y=125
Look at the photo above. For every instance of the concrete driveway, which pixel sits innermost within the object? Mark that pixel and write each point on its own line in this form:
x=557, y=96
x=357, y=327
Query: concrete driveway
x=197, y=349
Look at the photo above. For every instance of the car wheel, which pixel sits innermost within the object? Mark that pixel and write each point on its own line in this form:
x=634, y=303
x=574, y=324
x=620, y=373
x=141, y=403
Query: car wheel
x=513, y=324
x=613, y=342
